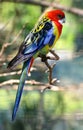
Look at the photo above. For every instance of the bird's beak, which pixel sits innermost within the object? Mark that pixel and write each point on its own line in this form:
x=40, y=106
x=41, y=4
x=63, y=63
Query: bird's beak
x=62, y=21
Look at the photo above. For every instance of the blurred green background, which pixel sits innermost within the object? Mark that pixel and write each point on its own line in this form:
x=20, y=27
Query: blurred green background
x=51, y=110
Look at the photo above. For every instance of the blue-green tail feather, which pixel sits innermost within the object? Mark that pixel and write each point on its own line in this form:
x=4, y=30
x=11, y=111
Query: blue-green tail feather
x=20, y=87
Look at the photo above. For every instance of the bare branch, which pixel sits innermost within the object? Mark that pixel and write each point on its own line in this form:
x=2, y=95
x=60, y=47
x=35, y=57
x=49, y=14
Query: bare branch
x=44, y=59
x=10, y=73
x=28, y=86
x=50, y=72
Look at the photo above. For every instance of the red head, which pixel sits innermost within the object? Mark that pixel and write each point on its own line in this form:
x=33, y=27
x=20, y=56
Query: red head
x=56, y=16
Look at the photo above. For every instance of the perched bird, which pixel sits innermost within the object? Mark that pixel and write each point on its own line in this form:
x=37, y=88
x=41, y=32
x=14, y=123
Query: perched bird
x=39, y=41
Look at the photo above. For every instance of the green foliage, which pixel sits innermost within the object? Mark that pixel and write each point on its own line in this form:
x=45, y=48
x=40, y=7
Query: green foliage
x=3, y=103
x=5, y=100
x=20, y=14
x=53, y=105
x=31, y=99
x=73, y=103
x=54, y=102
x=66, y=3
x=7, y=11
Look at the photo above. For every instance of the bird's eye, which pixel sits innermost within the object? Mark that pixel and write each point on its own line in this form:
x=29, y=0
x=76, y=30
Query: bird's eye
x=59, y=16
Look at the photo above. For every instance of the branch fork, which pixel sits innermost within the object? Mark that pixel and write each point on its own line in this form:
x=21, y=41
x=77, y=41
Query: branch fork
x=45, y=59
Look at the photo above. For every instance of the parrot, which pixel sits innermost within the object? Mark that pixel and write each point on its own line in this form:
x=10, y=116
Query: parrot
x=39, y=41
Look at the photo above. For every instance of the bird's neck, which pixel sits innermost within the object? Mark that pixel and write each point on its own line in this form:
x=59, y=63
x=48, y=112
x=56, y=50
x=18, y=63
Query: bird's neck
x=59, y=26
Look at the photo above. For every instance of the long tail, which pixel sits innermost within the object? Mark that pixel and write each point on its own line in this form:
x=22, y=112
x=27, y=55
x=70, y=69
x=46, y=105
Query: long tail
x=26, y=68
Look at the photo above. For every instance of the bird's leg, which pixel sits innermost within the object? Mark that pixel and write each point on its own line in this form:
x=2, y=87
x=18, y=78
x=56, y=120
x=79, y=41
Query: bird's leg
x=55, y=55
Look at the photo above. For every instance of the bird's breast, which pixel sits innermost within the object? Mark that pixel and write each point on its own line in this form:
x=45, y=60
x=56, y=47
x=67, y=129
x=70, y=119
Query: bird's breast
x=55, y=33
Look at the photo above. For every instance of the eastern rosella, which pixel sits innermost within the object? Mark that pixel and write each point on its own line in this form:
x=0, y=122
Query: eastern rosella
x=40, y=40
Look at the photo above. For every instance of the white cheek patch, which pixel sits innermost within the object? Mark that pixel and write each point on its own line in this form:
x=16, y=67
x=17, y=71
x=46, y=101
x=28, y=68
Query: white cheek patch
x=62, y=21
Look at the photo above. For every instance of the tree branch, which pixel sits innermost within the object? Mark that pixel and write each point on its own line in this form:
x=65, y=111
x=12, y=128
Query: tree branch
x=73, y=10
x=28, y=85
x=10, y=73
x=44, y=59
x=42, y=86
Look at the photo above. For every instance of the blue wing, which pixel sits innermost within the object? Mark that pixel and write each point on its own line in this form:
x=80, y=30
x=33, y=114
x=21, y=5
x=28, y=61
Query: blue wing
x=34, y=41
x=39, y=40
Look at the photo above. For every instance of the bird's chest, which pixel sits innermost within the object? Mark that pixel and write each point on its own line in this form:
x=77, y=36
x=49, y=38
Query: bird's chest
x=55, y=33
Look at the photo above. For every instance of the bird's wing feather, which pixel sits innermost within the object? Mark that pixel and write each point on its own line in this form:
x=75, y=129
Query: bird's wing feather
x=35, y=41
x=39, y=39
